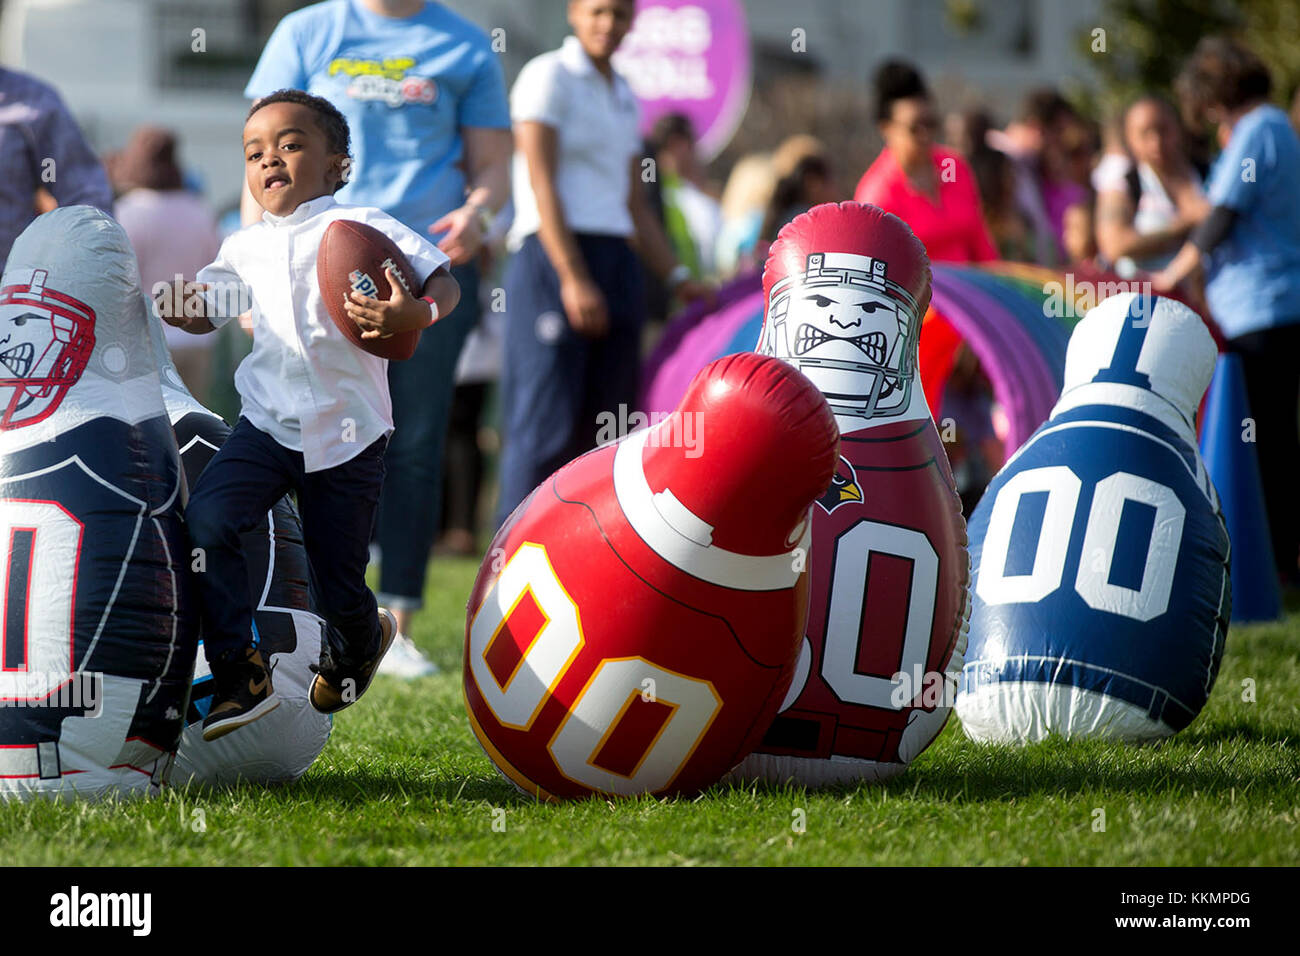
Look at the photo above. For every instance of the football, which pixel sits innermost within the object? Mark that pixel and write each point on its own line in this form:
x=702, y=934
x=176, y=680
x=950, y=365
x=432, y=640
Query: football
x=352, y=256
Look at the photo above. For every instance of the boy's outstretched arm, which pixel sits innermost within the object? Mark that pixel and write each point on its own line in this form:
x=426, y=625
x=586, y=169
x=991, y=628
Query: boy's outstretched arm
x=184, y=305
x=403, y=312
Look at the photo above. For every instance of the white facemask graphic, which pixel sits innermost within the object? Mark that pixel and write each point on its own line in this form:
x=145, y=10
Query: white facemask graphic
x=849, y=329
x=45, y=341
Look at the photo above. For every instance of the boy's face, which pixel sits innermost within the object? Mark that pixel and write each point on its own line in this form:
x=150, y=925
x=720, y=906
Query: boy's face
x=287, y=158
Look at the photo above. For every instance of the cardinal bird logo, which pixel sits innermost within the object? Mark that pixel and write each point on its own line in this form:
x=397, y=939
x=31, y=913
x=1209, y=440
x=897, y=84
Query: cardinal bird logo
x=843, y=488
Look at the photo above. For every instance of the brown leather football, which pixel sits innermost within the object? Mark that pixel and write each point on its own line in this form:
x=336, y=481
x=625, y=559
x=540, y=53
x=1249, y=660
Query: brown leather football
x=352, y=255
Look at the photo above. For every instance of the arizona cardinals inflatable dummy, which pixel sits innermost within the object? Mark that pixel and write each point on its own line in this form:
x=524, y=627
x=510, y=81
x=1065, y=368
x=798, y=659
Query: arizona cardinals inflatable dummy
x=846, y=287
x=637, y=619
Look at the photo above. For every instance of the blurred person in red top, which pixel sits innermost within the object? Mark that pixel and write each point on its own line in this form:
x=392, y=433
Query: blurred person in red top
x=933, y=189
x=930, y=187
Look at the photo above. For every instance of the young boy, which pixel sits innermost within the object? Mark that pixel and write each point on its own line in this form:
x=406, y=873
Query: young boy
x=316, y=413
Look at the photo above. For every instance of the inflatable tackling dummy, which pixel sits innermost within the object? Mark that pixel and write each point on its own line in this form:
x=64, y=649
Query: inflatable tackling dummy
x=637, y=619
x=99, y=630
x=1101, y=595
x=846, y=286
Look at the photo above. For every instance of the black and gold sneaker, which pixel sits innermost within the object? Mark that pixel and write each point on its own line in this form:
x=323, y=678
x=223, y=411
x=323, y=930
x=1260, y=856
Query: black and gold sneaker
x=242, y=694
x=340, y=682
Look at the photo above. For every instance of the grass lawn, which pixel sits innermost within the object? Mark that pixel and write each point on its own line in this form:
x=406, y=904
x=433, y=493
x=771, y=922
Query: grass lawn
x=402, y=781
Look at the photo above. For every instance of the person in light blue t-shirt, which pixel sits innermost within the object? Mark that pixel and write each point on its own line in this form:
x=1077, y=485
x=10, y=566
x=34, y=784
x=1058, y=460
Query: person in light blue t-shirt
x=1249, y=247
x=425, y=97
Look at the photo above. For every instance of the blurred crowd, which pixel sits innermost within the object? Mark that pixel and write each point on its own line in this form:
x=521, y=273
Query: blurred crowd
x=1052, y=186
x=1196, y=192
x=1129, y=194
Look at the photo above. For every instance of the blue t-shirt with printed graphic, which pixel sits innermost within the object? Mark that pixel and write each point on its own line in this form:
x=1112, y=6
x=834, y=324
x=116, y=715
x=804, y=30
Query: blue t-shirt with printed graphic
x=407, y=86
x=1253, y=280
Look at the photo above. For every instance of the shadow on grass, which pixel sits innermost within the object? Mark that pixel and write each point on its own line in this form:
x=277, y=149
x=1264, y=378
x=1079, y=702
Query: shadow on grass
x=361, y=785
x=968, y=772
x=1241, y=732
x=974, y=773
x=1015, y=777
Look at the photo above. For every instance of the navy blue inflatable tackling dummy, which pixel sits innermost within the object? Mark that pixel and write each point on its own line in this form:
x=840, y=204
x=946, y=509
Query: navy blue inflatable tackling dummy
x=98, y=637
x=1101, y=594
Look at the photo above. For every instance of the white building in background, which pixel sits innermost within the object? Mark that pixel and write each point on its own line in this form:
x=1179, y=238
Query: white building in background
x=183, y=63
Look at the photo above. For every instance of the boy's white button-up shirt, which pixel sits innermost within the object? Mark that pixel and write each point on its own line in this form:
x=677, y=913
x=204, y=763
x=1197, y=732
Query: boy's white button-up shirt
x=597, y=136
x=305, y=383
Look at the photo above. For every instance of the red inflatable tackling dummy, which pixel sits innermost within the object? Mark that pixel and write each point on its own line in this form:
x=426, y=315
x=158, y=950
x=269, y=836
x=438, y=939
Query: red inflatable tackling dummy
x=846, y=286
x=637, y=619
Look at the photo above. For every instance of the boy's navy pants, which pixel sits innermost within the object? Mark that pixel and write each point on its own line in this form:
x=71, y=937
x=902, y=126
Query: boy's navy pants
x=250, y=473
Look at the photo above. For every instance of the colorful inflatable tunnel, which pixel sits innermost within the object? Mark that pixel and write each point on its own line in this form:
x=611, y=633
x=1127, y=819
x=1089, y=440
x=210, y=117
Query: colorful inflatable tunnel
x=1015, y=318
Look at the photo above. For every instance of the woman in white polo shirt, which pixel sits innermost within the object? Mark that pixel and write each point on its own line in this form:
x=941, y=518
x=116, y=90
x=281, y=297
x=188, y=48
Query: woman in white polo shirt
x=574, y=293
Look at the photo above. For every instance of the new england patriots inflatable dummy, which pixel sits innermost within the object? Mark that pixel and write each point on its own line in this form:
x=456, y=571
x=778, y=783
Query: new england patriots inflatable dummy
x=98, y=638
x=846, y=288
x=281, y=746
x=637, y=619
x=1101, y=590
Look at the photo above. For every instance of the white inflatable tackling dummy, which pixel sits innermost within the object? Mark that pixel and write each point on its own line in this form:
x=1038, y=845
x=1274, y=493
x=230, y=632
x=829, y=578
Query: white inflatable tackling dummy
x=98, y=630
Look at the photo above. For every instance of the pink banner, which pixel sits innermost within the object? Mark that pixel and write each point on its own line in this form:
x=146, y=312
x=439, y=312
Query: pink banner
x=691, y=57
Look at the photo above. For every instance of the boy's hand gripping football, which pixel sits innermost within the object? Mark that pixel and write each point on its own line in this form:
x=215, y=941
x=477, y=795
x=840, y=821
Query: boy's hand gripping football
x=379, y=319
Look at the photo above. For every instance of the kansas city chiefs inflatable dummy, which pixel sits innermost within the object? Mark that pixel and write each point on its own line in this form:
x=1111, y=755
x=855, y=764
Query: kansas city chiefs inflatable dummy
x=846, y=286
x=637, y=620
x=282, y=745
x=99, y=630
x=1101, y=591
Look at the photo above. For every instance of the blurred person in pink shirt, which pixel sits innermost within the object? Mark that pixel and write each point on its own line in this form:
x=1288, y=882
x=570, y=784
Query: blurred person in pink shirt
x=930, y=187
x=172, y=231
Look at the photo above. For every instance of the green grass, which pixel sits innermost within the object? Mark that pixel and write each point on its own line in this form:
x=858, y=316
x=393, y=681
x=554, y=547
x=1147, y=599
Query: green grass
x=402, y=781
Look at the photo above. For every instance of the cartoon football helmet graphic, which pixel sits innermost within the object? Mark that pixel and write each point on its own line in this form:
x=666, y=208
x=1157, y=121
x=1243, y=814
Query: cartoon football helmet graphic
x=851, y=330
x=846, y=285
x=46, y=338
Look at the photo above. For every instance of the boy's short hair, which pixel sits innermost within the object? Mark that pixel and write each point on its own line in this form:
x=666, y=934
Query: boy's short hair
x=331, y=122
